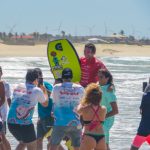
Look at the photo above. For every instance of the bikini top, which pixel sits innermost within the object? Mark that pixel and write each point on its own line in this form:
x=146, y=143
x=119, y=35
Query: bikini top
x=93, y=123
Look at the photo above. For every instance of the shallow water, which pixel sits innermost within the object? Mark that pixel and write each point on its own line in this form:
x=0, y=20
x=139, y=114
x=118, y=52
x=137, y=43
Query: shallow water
x=128, y=73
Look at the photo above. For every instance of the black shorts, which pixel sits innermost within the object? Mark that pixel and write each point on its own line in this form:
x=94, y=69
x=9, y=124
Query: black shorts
x=23, y=133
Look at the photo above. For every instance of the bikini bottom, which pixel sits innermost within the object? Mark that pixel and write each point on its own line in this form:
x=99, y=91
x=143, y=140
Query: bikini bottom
x=97, y=138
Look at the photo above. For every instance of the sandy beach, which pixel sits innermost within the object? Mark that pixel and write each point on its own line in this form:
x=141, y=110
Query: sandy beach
x=102, y=50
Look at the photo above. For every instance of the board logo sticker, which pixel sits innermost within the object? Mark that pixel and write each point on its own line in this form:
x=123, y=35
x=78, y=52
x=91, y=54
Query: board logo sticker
x=58, y=47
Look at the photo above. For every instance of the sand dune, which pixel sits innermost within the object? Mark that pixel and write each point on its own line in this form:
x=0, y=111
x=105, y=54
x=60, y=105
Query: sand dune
x=102, y=50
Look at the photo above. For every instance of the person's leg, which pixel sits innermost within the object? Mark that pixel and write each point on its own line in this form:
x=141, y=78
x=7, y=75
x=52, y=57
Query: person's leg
x=60, y=147
x=39, y=143
x=5, y=143
x=21, y=146
x=101, y=145
x=87, y=143
x=16, y=131
x=108, y=123
x=107, y=139
x=32, y=145
x=56, y=137
x=75, y=135
x=29, y=136
x=40, y=135
x=137, y=142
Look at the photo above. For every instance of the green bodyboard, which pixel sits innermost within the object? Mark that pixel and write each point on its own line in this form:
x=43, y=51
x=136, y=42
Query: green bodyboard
x=61, y=54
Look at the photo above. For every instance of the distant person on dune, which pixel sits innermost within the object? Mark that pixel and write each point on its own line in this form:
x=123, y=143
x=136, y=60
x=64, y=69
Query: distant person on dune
x=143, y=132
x=90, y=65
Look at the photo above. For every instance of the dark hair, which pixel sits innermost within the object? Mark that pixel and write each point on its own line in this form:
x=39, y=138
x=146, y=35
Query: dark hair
x=39, y=71
x=93, y=95
x=31, y=75
x=91, y=46
x=107, y=74
x=67, y=73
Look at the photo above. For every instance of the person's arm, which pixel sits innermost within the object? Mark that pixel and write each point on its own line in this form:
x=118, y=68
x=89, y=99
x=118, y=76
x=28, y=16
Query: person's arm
x=104, y=111
x=114, y=110
x=111, y=87
x=43, y=96
x=2, y=93
x=80, y=109
x=8, y=94
x=142, y=103
x=9, y=101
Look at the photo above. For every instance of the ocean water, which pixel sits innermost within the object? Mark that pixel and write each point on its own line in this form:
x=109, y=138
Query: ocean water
x=129, y=73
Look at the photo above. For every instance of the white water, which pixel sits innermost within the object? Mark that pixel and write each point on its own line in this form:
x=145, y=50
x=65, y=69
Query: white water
x=128, y=73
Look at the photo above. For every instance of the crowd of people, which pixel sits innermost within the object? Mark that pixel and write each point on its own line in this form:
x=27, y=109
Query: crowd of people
x=82, y=114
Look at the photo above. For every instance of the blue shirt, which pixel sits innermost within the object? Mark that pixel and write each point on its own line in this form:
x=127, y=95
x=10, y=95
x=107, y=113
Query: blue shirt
x=23, y=103
x=66, y=97
x=107, y=98
x=44, y=112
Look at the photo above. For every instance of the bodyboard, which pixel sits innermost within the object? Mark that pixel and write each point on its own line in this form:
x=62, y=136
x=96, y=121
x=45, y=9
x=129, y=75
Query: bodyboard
x=61, y=54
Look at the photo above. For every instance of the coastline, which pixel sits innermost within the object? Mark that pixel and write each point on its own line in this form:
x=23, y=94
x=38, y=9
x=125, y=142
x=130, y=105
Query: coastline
x=102, y=50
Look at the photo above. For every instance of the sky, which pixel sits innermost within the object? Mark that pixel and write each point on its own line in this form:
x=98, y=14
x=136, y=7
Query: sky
x=76, y=17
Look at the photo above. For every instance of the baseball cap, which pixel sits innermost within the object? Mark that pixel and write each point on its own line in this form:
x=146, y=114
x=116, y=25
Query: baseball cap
x=48, y=86
x=67, y=73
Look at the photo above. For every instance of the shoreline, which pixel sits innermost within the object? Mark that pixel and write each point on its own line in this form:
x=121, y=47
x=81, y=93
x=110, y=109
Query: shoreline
x=101, y=50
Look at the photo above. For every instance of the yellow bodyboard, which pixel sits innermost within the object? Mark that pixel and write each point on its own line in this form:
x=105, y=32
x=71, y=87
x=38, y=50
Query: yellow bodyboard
x=61, y=54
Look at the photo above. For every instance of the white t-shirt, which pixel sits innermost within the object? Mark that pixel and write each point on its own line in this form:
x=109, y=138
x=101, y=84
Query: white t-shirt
x=4, y=107
x=23, y=102
x=66, y=97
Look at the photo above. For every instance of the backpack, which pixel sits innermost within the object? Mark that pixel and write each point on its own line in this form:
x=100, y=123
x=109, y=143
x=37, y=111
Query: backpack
x=2, y=93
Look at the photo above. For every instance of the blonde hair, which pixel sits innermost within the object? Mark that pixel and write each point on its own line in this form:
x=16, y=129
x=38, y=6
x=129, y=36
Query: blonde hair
x=93, y=95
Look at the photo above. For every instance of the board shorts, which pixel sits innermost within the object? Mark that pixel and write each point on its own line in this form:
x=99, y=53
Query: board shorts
x=61, y=131
x=139, y=140
x=43, y=126
x=23, y=133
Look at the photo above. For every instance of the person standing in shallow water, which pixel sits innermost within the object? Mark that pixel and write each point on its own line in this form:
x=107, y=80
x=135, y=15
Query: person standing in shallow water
x=108, y=100
x=93, y=116
x=66, y=96
x=5, y=100
x=25, y=98
x=90, y=65
x=143, y=132
x=45, y=119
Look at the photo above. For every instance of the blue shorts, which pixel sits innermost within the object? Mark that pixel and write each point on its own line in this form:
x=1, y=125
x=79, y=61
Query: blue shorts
x=61, y=131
